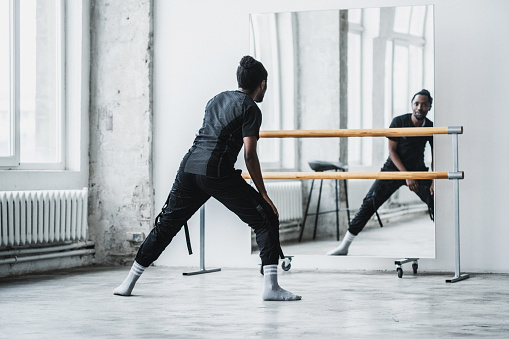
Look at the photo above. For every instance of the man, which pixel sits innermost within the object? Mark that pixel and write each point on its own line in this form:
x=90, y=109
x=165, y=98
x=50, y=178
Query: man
x=405, y=154
x=232, y=120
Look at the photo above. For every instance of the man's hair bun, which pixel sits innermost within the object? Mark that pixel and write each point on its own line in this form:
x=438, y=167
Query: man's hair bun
x=250, y=73
x=248, y=62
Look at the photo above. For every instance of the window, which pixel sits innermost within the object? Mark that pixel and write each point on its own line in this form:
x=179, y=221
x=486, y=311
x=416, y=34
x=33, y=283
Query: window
x=5, y=116
x=32, y=77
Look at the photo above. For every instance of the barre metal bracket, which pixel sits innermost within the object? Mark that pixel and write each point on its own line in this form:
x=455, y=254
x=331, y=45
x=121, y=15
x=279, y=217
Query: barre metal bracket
x=455, y=130
x=456, y=175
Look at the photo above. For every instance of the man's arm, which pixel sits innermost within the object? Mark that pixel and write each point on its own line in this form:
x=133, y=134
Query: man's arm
x=253, y=167
x=412, y=184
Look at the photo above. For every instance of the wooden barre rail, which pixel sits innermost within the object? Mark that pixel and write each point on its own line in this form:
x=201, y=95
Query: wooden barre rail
x=377, y=132
x=353, y=175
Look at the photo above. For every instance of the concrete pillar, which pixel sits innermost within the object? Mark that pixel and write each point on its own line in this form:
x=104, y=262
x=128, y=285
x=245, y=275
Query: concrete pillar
x=121, y=192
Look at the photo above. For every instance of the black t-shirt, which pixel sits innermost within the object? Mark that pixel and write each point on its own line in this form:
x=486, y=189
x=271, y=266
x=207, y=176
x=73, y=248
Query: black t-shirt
x=410, y=149
x=229, y=117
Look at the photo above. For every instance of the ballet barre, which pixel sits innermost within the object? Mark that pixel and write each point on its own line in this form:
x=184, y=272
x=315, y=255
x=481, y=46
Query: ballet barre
x=375, y=132
x=455, y=175
x=358, y=175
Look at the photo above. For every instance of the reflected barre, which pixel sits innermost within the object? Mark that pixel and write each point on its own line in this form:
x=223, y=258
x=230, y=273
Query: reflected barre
x=359, y=175
x=376, y=132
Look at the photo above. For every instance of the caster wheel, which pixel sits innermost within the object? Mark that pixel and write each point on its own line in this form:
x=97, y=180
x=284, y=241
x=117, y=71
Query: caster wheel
x=400, y=272
x=415, y=267
x=285, y=266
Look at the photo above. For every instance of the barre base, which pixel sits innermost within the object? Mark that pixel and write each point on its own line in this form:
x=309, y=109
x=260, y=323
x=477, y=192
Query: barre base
x=457, y=278
x=202, y=271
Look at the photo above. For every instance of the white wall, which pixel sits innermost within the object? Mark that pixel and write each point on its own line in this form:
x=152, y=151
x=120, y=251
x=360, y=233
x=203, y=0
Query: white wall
x=197, y=48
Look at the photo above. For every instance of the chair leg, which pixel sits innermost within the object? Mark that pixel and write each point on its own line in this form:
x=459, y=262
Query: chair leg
x=347, y=204
x=306, y=212
x=318, y=209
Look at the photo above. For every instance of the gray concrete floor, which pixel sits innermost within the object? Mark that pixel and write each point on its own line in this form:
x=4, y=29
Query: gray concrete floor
x=79, y=303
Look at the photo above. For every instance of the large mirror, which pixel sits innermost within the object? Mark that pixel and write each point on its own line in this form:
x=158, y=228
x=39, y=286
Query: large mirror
x=355, y=68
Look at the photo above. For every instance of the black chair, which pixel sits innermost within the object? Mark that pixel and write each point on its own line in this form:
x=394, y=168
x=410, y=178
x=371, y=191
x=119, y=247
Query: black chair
x=321, y=166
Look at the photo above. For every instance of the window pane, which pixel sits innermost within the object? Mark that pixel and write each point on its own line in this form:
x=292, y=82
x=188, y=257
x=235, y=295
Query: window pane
x=401, y=21
x=416, y=68
x=39, y=97
x=417, y=22
x=354, y=96
x=264, y=43
x=400, y=84
x=355, y=16
x=5, y=115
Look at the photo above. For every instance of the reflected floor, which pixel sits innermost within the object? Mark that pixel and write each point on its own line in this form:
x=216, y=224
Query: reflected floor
x=397, y=239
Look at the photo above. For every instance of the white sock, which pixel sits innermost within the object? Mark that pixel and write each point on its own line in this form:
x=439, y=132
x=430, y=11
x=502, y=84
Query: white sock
x=127, y=285
x=271, y=289
x=342, y=249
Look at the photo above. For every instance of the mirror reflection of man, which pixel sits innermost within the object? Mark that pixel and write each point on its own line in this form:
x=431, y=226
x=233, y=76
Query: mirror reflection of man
x=405, y=154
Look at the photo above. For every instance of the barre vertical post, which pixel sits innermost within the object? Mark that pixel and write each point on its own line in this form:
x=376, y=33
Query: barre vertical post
x=202, y=247
x=457, y=274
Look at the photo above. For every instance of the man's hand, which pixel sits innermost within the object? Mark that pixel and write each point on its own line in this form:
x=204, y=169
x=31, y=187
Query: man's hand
x=432, y=188
x=413, y=185
x=267, y=199
x=253, y=167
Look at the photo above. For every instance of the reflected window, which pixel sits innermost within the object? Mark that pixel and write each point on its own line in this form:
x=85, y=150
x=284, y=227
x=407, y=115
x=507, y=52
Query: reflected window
x=355, y=16
x=400, y=74
x=390, y=57
x=405, y=67
x=273, y=45
x=355, y=114
x=418, y=20
x=402, y=19
x=409, y=44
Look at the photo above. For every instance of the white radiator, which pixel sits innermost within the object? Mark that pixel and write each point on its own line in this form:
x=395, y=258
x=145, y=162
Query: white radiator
x=42, y=217
x=287, y=196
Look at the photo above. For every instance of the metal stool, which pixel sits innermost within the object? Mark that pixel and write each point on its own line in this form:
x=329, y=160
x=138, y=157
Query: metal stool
x=321, y=166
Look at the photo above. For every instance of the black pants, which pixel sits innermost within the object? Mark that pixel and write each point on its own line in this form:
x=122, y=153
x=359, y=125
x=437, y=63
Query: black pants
x=379, y=192
x=191, y=191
